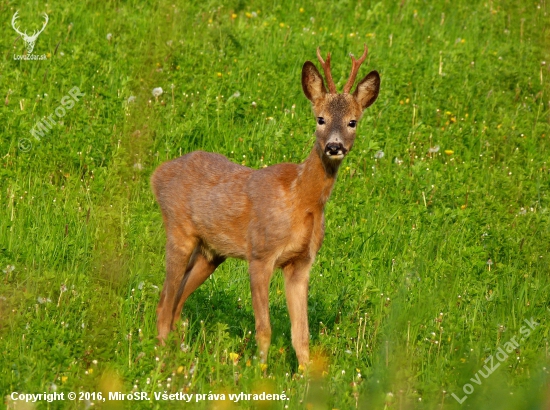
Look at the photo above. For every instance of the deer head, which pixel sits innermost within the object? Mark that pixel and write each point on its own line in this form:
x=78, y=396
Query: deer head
x=29, y=40
x=337, y=114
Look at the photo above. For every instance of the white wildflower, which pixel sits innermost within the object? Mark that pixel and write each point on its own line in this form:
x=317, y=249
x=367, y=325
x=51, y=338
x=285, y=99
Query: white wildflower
x=379, y=154
x=157, y=92
x=9, y=269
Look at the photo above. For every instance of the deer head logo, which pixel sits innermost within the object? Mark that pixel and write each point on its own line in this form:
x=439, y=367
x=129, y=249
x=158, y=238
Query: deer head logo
x=29, y=40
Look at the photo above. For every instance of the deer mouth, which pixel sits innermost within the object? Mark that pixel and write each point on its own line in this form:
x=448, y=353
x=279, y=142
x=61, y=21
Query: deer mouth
x=335, y=151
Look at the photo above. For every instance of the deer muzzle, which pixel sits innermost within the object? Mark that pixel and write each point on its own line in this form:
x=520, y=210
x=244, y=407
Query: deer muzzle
x=335, y=150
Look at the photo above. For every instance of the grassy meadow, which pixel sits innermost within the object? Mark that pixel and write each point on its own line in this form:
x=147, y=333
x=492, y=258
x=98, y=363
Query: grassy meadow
x=437, y=240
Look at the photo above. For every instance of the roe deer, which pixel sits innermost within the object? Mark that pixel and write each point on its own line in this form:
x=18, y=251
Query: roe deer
x=272, y=217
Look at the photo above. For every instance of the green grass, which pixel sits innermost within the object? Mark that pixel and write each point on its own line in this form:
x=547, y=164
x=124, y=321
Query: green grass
x=404, y=308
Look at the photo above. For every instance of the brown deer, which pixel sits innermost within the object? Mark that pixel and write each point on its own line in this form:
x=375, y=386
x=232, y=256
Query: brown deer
x=272, y=217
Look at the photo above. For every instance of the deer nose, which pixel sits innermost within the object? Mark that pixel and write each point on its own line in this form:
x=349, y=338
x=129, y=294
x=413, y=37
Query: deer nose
x=335, y=148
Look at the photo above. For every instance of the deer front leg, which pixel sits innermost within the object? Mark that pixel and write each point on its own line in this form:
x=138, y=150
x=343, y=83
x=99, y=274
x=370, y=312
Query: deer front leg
x=260, y=274
x=296, y=276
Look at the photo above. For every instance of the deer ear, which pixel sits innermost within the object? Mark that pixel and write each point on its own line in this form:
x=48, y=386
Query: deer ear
x=312, y=82
x=367, y=89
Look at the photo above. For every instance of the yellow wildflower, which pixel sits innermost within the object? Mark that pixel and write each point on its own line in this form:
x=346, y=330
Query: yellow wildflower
x=234, y=357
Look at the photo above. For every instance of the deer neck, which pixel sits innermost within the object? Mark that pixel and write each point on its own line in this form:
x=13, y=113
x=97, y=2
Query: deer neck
x=316, y=178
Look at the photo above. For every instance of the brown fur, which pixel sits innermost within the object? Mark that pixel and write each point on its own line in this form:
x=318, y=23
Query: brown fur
x=272, y=217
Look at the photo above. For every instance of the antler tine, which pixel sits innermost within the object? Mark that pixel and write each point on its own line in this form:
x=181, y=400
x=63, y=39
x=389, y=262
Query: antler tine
x=13, y=20
x=326, y=69
x=355, y=64
x=45, y=23
x=15, y=17
x=36, y=33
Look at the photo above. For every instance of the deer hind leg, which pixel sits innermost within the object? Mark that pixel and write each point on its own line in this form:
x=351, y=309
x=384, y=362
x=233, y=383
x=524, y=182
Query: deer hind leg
x=296, y=276
x=178, y=254
x=260, y=274
x=199, y=269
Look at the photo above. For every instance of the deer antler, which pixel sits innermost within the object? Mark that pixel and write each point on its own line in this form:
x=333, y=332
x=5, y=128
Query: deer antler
x=326, y=69
x=355, y=64
x=36, y=34
x=14, y=18
x=25, y=36
x=46, y=18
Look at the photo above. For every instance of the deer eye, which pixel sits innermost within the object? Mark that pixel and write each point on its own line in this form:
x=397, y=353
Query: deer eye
x=320, y=120
x=352, y=124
